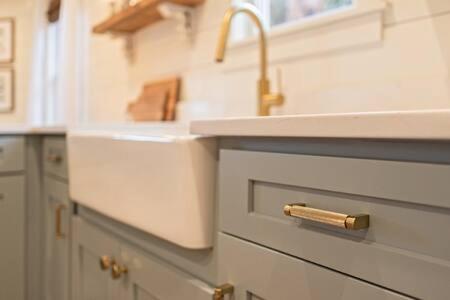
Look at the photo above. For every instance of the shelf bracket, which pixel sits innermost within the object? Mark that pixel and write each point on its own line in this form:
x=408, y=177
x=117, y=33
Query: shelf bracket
x=182, y=14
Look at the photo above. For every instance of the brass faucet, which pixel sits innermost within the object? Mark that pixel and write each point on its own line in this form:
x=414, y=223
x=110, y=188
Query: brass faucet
x=266, y=98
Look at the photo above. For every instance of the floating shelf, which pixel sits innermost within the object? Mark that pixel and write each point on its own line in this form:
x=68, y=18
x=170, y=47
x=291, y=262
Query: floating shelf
x=138, y=16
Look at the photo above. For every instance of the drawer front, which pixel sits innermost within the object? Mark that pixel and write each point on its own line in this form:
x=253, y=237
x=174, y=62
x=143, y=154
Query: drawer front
x=55, y=156
x=406, y=246
x=12, y=154
x=262, y=274
x=151, y=278
x=12, y=237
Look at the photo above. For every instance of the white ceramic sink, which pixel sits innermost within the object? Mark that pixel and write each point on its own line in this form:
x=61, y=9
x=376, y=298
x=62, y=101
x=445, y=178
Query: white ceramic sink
x=159, y=179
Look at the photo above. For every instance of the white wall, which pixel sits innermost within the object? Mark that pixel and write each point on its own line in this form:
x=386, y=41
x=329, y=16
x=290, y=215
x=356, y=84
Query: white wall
x=22, y=12
x=408, y=69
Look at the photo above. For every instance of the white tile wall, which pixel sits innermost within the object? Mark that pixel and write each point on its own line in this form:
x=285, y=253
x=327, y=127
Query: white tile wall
x=408, y=69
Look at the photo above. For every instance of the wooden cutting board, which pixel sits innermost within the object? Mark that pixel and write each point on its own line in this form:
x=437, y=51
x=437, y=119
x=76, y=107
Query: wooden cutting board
x=157, y=101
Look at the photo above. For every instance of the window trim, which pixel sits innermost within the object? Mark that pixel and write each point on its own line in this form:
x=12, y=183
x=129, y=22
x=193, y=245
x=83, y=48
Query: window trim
x=357, y=9
x=361, y=12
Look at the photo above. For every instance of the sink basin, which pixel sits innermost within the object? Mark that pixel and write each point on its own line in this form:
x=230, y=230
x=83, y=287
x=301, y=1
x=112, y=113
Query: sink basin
x=159, y=179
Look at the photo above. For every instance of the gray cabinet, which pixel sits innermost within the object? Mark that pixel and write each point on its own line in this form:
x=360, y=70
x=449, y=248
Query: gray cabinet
x=13, y=219
x=131, y=275
x=266, y=255
x=57, y=215
x=57, y=246
x=258, y=273
x=12, y=237
x=89, y=280
x=407, y=246
x=34, y=218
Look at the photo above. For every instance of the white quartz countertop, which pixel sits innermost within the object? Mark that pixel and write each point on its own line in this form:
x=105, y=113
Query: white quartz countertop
x=26, y=130
x=426, y=124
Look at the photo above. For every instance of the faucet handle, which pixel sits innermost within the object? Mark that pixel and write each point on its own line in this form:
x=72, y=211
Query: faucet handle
x=277, y=98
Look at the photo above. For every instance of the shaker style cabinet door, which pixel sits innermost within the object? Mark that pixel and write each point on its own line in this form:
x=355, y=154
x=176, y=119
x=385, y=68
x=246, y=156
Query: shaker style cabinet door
x=148, y=278
x=258, y=273
x=57, y=246
x=93, y=253
x=12, y=238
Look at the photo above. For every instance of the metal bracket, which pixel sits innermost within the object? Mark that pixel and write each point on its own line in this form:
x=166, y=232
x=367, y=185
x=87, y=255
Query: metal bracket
x=180, y=13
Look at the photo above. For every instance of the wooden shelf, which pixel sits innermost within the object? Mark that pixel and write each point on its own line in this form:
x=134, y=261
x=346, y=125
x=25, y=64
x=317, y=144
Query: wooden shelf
x=133, y=18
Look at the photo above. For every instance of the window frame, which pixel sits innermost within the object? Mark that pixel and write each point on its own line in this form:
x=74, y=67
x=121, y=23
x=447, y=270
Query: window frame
x=358, y=8
x=52, y=71
x=360, y=25
x=266, y=13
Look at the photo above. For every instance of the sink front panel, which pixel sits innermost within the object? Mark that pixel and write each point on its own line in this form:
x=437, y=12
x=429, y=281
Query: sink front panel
x=161, y=185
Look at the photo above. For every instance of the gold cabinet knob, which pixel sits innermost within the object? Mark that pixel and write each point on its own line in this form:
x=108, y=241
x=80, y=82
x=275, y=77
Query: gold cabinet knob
x=105, y=262
x=118, y=270
x=221, y=291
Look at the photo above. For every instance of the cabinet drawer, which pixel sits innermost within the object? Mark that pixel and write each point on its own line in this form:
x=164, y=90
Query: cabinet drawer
x=262, y=274
x=55, y=156
x=12, y=237
x=406, y=247
x=12, y=154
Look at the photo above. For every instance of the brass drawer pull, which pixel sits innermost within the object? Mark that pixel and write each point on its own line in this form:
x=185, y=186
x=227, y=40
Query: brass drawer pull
x=58, y=220
x=54, y=158
x=221, y=291
x=351, y=222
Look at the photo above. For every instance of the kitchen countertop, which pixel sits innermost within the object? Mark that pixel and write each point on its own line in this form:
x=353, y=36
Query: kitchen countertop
x=411, y=125
x=27, y=130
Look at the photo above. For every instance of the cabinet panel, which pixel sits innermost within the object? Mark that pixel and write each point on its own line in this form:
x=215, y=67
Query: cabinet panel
x=139, y=275
x=12, y=154
x=57, y=246
x=55, y=156
x=149, y=278
x=258, y=273
x=255, y=187
x=90, y=281
x=12, y=238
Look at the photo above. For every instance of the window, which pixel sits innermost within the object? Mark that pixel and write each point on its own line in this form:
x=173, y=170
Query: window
x=285, y=12
x=299, y=28
x=278, y=12
x=52, y=73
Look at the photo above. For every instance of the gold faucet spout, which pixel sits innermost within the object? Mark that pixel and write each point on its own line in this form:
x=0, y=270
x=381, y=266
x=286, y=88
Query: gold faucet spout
x=263, y=85
x=256, y=17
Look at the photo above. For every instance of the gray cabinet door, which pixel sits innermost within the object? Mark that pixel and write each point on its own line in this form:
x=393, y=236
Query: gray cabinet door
x=89, y=281
x=149, y=278
x=12, y=238
x=57, y=246
x=258, y=273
